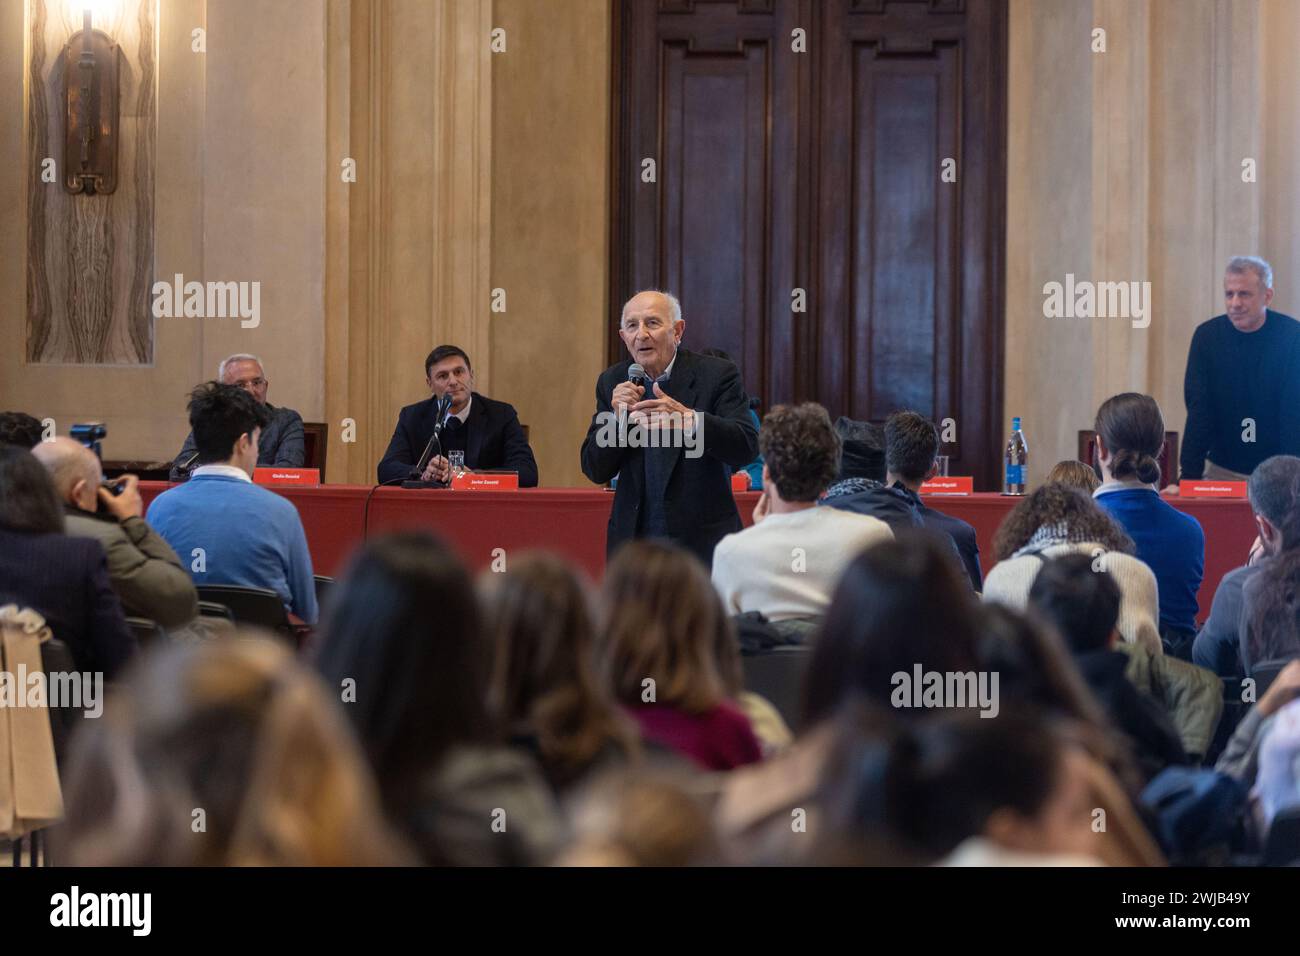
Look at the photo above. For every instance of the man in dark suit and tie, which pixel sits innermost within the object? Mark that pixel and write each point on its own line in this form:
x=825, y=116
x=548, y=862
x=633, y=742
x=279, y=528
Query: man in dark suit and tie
x=672, y=439
x=487, y=431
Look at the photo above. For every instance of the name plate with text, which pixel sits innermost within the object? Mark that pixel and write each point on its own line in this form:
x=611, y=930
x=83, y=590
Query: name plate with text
x=949, y=485
x=286, y=476
x=1206, y=488
x=486, y=481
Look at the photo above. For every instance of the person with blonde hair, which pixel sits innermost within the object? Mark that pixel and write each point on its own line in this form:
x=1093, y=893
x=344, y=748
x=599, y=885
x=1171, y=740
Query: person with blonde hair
x=669, y=654
x=1074, y=474
x=224, y=753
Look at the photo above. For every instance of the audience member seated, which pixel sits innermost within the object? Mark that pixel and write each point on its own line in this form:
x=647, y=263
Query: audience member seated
x=1055, y=520
x=641, y=817
x=1082, y=603
x=63, y=579
x=669, y=655
x=1270, y=629
x=1035, y=669
x=860, y=484
x=404, y=647
x=1130, y=433
x=544, y=688
x=1074, y=474
x=1240, y=758
x=960, y=791
x=145, y=572
x=1274, y=492
x=21, y=429
x=900, y=604
x=281, y=441
x=229, y=529
x=786, y=565
x=911, y=446
x=1277, y=786
x=237, y=731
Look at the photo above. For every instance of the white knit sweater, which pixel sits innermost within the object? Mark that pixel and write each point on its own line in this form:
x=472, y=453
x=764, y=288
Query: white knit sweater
x=1139, y=608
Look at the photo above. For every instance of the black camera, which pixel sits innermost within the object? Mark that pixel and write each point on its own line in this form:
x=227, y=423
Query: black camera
x=90, y=435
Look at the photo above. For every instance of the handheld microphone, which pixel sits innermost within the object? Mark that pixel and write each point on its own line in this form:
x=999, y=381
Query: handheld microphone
x=636, y=374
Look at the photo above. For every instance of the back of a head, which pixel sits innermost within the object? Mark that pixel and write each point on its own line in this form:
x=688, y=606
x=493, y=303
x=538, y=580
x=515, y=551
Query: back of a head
x=235, y=730
x=1079, y=600
x=1272, y=596
x=911, y=444
x=1074, y=474
x=68, y=463
x=862, y=450
x=219, y=415
x=801, y=450
x=1274, y=490
x=900, y=603
x=641, y=817
x=402, y=631
x=1134, y=432
x=29, y=502
x=1064, y=512
x=918, y=790
x=661, y=619
x=21, y=429
x=539, y=625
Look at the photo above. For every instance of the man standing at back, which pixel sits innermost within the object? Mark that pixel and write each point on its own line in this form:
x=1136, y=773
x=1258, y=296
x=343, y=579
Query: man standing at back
x=227, y=529
x=1242, y=385
x=687, y=425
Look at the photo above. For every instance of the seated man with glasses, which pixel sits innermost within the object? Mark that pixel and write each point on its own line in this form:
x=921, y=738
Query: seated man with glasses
x=281, y=444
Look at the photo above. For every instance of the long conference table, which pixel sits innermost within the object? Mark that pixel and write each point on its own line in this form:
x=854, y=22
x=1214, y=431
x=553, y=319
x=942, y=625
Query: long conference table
x=572, y=522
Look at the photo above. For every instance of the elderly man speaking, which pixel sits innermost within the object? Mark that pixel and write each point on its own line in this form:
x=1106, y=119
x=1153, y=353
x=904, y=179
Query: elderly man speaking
x=671, y=425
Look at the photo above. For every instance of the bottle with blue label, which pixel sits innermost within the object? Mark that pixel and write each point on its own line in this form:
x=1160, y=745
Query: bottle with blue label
x=1016, y=460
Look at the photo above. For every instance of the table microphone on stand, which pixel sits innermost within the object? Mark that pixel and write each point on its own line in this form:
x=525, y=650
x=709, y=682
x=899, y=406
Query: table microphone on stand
x=416, y=479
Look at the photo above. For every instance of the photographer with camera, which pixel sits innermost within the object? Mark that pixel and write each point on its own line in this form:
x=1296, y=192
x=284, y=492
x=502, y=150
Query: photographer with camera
x=145, y=572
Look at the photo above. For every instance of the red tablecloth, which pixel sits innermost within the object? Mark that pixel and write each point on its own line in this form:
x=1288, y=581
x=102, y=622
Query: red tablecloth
x=571, y=521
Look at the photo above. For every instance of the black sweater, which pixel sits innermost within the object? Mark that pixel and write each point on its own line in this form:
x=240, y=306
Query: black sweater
x=1232, y=376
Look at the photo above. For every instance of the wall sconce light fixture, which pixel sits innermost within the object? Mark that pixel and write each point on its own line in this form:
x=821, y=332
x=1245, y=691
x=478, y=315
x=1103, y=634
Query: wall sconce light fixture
x=90, y=75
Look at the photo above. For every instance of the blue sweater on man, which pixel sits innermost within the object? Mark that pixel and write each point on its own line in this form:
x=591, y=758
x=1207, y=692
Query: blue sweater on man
x=249, y=536
x=1169, y=542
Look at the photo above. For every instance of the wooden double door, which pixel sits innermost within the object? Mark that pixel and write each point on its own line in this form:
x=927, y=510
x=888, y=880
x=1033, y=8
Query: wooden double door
x=822, y=183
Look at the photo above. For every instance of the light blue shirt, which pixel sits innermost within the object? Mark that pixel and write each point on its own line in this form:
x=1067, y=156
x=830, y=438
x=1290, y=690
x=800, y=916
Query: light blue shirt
x=228, y=530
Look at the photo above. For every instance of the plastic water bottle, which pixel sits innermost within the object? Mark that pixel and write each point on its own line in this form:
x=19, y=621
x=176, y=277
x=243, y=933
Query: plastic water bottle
x=1016, y=459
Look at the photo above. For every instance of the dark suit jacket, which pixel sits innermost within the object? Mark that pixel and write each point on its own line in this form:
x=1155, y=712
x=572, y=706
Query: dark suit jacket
x=700, y=506
x=494, y=440
x=281, y=444
x=963, y=535
x=66, y=581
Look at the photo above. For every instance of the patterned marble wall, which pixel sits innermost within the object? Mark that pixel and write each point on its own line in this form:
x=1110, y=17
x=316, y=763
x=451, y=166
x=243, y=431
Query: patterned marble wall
x=90, y=258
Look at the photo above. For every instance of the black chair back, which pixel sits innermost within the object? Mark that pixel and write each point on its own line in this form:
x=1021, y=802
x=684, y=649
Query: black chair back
x=147, y=633
x=260, y=607
x=213, y=609
x=778, y=676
